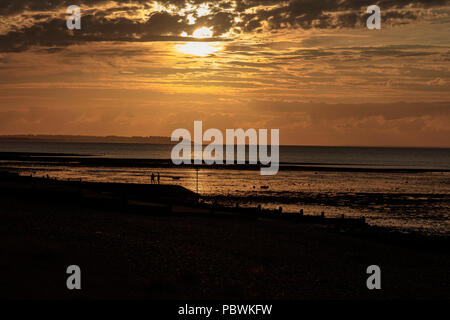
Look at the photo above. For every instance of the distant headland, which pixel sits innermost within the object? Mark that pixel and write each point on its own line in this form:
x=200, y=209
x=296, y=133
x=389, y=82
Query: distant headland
x=87, y=139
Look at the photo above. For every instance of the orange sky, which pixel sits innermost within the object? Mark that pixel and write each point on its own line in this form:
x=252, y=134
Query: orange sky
x=313, y=71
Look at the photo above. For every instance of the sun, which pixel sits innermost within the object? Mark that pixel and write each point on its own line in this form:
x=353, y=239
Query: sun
x=203, y=33
x=201, y=49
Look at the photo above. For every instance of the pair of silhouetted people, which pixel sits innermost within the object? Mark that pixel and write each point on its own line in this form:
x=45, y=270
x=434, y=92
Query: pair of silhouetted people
x=153, y=177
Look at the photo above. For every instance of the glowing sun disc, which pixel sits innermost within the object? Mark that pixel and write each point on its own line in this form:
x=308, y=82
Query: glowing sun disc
x=203, y=33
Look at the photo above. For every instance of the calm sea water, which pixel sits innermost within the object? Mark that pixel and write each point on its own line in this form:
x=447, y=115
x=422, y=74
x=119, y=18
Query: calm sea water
x=404, y=200
x=428, y=158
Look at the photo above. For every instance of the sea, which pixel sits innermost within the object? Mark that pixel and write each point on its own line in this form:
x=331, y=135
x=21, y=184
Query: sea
x=406, y=189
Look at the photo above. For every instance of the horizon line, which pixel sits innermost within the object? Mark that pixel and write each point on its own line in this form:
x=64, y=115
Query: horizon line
x=18, y=136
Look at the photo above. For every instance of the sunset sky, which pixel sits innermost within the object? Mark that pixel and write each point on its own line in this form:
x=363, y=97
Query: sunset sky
x=309, y=68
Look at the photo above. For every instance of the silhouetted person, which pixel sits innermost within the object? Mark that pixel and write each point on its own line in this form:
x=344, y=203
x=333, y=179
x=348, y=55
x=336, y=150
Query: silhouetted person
x=153, y=178
x=159, y=178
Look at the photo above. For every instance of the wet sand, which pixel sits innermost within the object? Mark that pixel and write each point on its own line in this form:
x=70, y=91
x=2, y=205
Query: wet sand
x=158, y=255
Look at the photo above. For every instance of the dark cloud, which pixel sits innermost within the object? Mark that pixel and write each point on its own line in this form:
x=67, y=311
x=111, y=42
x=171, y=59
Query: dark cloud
x=161, y=26
x=295, y=8
x=307, y=14
x=98, y=25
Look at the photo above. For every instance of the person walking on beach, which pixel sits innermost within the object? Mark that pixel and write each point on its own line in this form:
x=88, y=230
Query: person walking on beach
x=153, y=178
x=159, y=178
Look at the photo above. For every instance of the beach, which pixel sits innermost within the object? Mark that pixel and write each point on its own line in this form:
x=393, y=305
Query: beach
x=156, y=254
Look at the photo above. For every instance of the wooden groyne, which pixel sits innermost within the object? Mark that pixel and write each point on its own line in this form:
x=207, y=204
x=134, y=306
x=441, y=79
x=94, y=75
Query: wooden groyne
x=259, y=213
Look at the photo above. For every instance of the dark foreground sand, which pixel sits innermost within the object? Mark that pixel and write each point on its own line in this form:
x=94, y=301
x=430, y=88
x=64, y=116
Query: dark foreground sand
x=130, y=256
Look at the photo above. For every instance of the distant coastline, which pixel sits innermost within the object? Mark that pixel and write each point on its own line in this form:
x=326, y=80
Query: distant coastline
x=162, y=140
x=87, y=139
